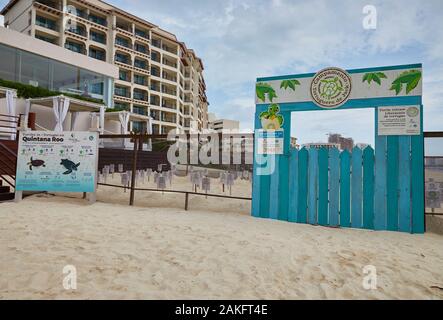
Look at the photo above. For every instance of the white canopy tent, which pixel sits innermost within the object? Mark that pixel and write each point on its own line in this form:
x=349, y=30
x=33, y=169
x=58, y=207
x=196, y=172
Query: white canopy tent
x=124, y=117
x=61, y=105
x=10, y=117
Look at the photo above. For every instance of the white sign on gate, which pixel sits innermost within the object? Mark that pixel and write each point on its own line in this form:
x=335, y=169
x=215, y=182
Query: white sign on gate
x=270, y=141
x=398, y=121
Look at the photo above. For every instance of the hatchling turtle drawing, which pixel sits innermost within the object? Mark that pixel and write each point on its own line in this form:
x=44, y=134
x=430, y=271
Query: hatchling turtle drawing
x=35, y=163
x=331, y=87
x=69, y=165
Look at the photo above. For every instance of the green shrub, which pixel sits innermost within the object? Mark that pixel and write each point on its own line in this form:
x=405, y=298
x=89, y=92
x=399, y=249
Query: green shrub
x=26, y=91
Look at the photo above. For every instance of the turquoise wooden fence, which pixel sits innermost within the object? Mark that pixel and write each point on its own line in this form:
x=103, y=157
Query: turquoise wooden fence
x=360, y=189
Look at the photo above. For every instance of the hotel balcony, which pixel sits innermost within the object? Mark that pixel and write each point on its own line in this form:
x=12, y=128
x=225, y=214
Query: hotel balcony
x=169, y=77
x=54, y=7
x=140, y=95
x=122, y=58
x=45, y=22
x=78, y=30
x=169, y=91
x=169, y=63
x=97, y=53
x=75, y=46
x=97, y=36
x=168, y=104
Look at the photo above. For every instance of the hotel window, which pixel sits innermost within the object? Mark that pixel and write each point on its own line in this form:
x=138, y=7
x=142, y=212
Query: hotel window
x=155, y=56
x=140, y=95
x=97, y=37
x=139, y=110
x=97, y=88
x=122, y=42
x=73, y=46
x=140, y=64
x=141, y=33
x=119, y=57
x=77, y=29
x=121, y=91
x=97, y=19
x=138, y=79
x=97, y=54
x=141, y=48
x=40, y=37
x=45, y=23
x=123, y=75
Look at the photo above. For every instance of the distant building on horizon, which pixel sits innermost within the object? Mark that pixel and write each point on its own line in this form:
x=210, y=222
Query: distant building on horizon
x=319, y=145
x=344, y=143
x=221, y=125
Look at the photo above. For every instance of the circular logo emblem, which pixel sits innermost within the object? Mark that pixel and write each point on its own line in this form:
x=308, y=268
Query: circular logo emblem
x=412, y=112
x=331, y=87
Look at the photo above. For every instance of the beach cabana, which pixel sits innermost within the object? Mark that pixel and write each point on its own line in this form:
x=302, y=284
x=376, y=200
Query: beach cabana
x=8, y=121
x=124, y=118
x=61, y=105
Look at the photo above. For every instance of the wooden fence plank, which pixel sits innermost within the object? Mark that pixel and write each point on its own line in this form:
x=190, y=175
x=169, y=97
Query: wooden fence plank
x=417, y=166
x=312, y=186
x=345, y=189
x=368, y=188
x=303, y=163
x=392, y=183
x=274, y=190
x=404, y=184
x=380, y=183
x=323, y=186
x=293, y=186
x=283, y=186
x=334, y=186
x=356, y=189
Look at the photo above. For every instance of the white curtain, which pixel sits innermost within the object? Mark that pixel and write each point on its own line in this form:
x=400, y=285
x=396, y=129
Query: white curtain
x=60, y=112
x=10, y=106
x=149, y=130
x=102, y=119
x=124, y=121
x=74, y=117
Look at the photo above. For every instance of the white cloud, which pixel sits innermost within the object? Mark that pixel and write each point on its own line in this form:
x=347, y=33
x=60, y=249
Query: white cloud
x=243, y=39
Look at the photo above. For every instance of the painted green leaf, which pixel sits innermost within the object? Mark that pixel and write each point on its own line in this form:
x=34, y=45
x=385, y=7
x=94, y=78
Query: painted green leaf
x=373, y=76
x=410, y=78
x=285, y=84
x=280, y=119
x=262, y=89
x=396, y=87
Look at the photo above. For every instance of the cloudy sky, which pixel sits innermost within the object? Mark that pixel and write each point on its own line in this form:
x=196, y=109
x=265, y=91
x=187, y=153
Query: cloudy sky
x=240, y=40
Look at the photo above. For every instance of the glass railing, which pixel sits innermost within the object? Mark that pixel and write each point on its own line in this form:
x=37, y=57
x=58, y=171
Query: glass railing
x=45, y=23
x=140, y=96
x=169, y=63
x=122, y=59
x=97, y=19
x=123, y=43
x=140, y=65
x=97, y=37
x=75, y=47
x=77, y=30
x=121, y=92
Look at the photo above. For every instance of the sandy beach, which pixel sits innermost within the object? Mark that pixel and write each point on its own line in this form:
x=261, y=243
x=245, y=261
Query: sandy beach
x=213, y=251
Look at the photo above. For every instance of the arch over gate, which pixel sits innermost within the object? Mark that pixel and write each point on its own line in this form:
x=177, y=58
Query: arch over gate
x=379, y=189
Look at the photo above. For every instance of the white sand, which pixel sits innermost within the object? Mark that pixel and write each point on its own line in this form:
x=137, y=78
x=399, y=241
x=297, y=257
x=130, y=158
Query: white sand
x=215, y=251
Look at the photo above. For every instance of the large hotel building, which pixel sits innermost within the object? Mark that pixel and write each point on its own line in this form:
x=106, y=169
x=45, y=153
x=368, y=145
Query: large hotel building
x=158, y=75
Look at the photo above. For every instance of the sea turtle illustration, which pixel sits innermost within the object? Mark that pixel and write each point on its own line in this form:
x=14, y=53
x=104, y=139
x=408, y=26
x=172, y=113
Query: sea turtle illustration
x=68, y=164
x=35, y=163
x=330, y=88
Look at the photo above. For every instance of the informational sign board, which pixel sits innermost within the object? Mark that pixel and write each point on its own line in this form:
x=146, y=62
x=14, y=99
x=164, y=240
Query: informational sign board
x=63, y=162
x=398, y=121
x=270, y=142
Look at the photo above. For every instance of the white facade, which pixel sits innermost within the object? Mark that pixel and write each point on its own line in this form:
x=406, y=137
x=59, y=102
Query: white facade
x=158, y=75
x=221, y=125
